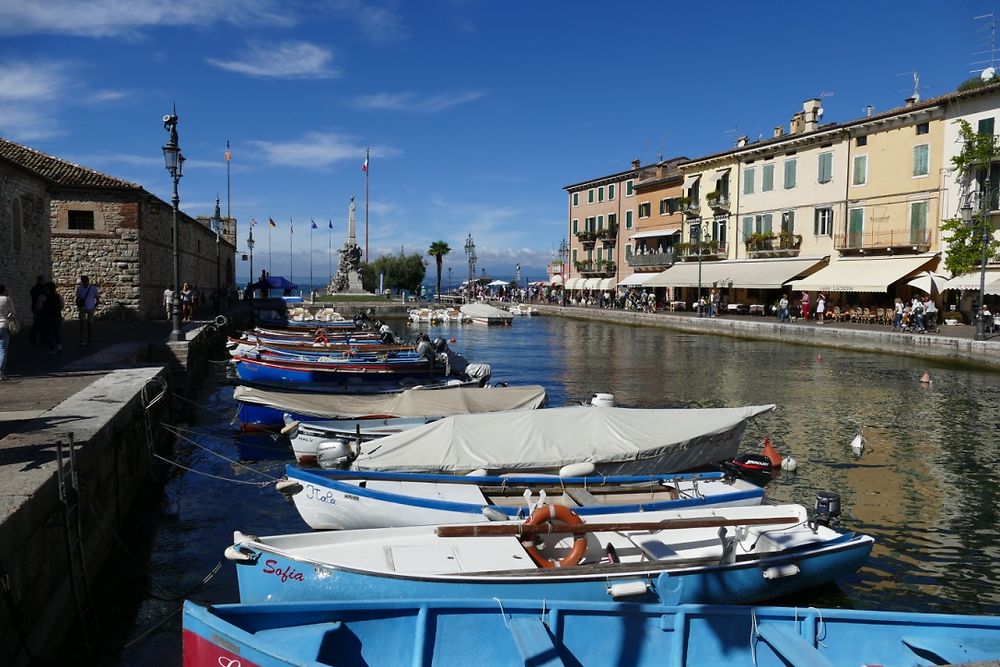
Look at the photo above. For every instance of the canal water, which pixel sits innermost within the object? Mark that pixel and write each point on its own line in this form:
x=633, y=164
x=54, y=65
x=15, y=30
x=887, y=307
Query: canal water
x=926, y=486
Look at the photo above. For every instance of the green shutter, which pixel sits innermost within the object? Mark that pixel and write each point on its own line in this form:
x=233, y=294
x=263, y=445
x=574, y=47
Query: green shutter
x=986, y=126
x=576, y=226
x=748, y=181
x=747, y=226
x=628, y=188
x=590, y=196
x=860, y=170
x=789, y=174
x=576, y=199
x=767, y=178
x=628, y=219
x=855, y=227
x=611, y=191
x=918, y=222
x=825, y=167
x=920, y=160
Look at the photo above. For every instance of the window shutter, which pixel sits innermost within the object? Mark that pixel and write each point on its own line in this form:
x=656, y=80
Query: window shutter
x=789, y=174
x=920, y=154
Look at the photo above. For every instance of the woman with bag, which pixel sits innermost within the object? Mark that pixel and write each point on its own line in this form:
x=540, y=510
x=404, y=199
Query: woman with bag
x=8, y=326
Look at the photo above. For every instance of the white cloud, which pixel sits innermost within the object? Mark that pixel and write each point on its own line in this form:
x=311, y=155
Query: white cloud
x=317, y=149
x=379, y=25
x=26, y=92
x=105, y=96
x=288, y=60
x=109, y=18
x=415, y=102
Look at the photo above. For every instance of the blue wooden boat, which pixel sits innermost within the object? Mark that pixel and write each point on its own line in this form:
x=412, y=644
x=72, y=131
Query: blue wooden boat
x=342, y=499
x=547, y=633
x=343, y=376
x=669, y=556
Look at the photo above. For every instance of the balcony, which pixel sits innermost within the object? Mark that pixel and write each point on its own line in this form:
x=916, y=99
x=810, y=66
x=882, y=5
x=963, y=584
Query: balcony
x=784, y=244
x=653, y=260
x=710, y=251
x=586, y=238
x=689, y=207
x=608, y=235
x=718, y=201
x=596, y=269
x=879, y=242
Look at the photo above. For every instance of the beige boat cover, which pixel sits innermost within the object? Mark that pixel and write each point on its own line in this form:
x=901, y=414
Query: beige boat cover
x=616, y=440
x=409, y=403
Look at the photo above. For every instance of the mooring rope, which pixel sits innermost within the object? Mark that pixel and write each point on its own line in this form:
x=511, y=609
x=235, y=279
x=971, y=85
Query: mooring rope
x=177, y=431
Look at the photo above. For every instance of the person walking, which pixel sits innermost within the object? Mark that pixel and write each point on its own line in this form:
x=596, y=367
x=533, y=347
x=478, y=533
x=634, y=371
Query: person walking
x=783, y=308
x=897, y=315
x=6, y=315
x=87, y=298
x=820, y=308
x=804, y=306
x=50, y=318
x=187, y=302
x=168, y=300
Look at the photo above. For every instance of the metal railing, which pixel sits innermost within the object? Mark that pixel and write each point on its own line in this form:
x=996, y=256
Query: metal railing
x=663, y=259
x=889, y=238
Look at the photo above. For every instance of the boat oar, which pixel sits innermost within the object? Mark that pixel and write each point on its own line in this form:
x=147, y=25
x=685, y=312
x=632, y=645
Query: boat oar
x=558, y=527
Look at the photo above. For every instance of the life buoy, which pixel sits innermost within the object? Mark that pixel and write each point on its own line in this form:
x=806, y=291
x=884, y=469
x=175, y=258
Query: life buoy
x=546, y=514
x=322, y=339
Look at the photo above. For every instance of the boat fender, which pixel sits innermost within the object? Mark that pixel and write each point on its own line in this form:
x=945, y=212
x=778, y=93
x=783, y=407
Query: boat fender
x=288, y=487
x=289, y=426
x=494, y=514
x=858, y=443
x=545, y=515
x=581, y=469
x=478, y=472
x=603, y=400
x=789, y=464
x=628, y=589
x=240, y=555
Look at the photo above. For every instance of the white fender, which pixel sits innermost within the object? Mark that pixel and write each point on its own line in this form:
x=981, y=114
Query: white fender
x=581, y=469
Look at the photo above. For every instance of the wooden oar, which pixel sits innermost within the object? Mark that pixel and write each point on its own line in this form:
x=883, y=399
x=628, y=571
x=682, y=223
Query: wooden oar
x=521, y=530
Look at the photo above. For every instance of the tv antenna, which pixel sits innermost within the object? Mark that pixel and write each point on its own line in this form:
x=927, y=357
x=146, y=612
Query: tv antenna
x=916, y=84
x=986, y=44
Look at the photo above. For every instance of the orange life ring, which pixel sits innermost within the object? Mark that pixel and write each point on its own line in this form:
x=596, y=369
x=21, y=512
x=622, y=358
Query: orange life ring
x=546, y=514
x=322, y=339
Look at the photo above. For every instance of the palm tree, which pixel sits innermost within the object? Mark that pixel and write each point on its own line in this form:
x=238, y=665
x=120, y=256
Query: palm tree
x=438, y=250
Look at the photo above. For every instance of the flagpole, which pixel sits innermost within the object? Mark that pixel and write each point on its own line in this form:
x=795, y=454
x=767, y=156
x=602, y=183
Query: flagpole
x=367, y=169
x=311, y=254
x=269, y=267
x=291, y=233
x=330, y=249
x=229, y=212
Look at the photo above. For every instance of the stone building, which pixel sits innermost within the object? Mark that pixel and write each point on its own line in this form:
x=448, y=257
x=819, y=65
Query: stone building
x=116, y=233
x=25, y=248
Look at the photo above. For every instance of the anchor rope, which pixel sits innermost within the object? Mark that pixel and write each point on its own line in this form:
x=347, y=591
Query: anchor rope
x=178, y=432
x=219, y=477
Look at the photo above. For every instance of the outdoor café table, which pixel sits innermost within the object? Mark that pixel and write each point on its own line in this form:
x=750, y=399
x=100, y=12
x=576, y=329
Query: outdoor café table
x=757, y=309
x=677, y=305
x=737, y=308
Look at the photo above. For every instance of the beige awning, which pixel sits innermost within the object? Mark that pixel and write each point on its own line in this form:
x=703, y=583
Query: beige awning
x=863, y=274
x=970, y=282
x=636, y=279
x=747, y=273
x=556, y=279
x=574, y=283
x=606, y=284
x=591, y=283
x=653, y=233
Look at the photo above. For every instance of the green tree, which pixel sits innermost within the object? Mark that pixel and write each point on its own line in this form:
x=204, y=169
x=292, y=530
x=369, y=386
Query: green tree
x=401, y=272
x=974, y=161
x=438, y=250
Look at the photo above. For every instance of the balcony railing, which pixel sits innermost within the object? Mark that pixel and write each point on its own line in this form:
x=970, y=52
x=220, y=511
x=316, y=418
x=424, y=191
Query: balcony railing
x=690, y=207
x=654, y=259
x=595, y=268
x=608, y=235
x=774, y=245
x=718, y=202
x=877, y=241
x=710, y=250
x=587, y=238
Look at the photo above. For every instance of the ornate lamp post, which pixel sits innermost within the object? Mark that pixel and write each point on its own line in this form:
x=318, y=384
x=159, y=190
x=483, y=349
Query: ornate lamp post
x=175, y=165
x=564, y=258
x=250, y=247
x=966, y=211
x=217, y=227
x=697, y=230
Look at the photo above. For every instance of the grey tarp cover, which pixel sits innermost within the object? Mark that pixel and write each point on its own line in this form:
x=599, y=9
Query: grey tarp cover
x=616, y=440
x=410, y=403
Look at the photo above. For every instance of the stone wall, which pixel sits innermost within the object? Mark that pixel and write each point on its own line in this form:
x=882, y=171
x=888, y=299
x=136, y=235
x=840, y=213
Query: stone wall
x=23, y=256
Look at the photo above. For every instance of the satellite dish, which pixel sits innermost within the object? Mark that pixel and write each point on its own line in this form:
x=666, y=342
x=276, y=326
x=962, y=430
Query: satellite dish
x=819, y=112
x=988, y=74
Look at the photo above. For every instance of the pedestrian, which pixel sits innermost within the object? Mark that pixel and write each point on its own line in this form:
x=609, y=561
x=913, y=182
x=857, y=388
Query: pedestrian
x=804, y=306
x=50, y=317
x=34, y=336
x=930, y=314
x=87, y=299
x=897, y=316
x=783, y=308
x=187, y=302
x=713, y=307
x=820, y=308
x=168, y=300
x=6, y=317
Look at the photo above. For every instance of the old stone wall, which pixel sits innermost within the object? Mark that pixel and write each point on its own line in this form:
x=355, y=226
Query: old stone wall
x=24, y=236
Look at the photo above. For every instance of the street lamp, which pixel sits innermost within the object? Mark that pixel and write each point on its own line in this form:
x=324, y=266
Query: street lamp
x=966, y=211
x=564, y=259
x=449, y=279
x=217, y=227
x=175, y=165
x=697, y=229
x=250, y=247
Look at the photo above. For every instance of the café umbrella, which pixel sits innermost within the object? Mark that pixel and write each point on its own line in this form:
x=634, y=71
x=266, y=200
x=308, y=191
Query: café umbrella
x=928, y=281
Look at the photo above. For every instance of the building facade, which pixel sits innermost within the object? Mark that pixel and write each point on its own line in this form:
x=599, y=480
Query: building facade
x=25, y=241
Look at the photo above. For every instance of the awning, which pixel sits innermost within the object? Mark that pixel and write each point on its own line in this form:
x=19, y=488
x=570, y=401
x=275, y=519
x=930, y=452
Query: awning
x=863, y=274
x=591, y=283
x=557, y=279
x=689, y=181
x=970, y=282
x=652, y=233
x=747, y=273
x=636, y=279
x=574, y=283
x=606, y=283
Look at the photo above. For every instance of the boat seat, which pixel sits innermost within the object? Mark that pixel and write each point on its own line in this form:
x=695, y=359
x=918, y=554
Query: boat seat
x=795, y=650
x=954, y=650
x=583, y=497
x=534, y=642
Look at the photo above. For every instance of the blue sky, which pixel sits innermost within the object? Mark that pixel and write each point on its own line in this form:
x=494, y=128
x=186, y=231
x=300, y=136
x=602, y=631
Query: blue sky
x=476, y=112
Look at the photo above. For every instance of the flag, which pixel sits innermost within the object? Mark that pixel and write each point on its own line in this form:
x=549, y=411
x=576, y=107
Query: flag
x=271, y=222
x=313, y=225
x=229, y=153
x=253, y=222
x=364, y=165
x=331, y=224
x=291, y=228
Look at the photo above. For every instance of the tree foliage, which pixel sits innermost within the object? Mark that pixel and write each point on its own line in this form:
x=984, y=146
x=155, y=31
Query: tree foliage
x=977, y=82
x=438, y=250
x=401, y=272
x=965, y=240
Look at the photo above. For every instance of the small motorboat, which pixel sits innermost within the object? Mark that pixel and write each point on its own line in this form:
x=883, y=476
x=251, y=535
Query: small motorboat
x=522, y=309
x=504, y=631
x=484, y=313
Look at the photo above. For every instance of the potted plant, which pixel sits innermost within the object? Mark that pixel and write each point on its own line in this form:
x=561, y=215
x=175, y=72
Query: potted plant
x=952, y=317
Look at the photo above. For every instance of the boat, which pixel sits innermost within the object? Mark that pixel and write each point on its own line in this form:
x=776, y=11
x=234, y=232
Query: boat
x=338, y=376
x=503, y=631
x=522, y=309
x=616, y=441
x=372, y=349
x=261, y=408
x=483, y=313
x=307, y=438
x=455, y=315
x=338, y=499
x=425, y=315
x=723, y=555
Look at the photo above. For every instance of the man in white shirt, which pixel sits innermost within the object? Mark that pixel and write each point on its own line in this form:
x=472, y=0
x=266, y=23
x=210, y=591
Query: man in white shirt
x=87, y=298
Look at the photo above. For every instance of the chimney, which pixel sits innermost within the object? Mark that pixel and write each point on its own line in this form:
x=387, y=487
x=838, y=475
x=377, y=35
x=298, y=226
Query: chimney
x=635, y=164
x=910, y=101
x=812, y=110
x=797, y=124
x=778, y=131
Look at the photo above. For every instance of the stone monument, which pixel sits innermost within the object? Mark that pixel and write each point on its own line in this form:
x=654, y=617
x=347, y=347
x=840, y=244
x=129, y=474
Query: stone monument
x=348, y=278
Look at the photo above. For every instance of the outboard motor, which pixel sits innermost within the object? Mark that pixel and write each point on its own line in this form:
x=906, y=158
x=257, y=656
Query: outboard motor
x=479, y=372
x=440, y=344
x=334, y=454
x=387, y=338
x=425, y=349
x=603, y=400
x=827, y=511
x=754, y=468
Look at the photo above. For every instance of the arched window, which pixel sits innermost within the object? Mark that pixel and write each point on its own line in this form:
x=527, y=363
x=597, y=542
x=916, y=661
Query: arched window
x=16, y=224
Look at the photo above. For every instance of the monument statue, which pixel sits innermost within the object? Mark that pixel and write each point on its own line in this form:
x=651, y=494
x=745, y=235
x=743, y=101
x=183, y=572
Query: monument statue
x=348, y=278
